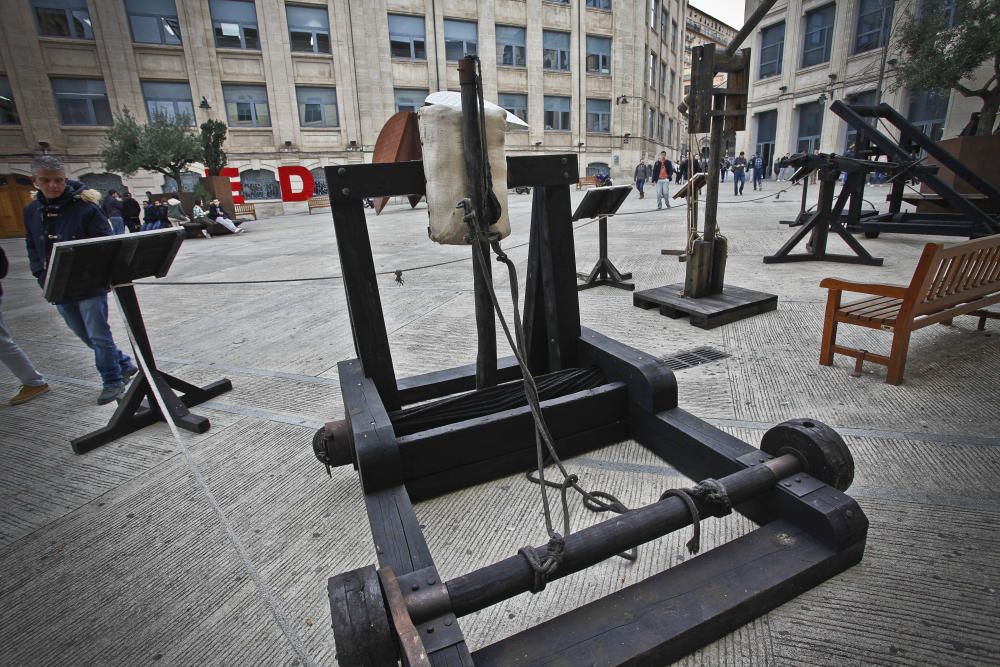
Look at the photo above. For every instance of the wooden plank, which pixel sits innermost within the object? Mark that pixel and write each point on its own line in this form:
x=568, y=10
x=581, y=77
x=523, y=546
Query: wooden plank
x=364, y=306
x=730, y=305
x=542, y=170
x=438, y=384
x=520, y=460
x=665, y=617
x=562, y=304
x=651, y=384
x=485, y=438
x=354, y=182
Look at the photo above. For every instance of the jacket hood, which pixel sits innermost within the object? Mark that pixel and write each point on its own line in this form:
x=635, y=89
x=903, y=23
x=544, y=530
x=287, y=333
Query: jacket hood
x=173, y=201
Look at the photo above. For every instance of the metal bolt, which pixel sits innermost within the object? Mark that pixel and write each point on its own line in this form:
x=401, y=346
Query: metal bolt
x=447, y=621
x=787, y=483
x=798, y=479
x=762, y=459
x=564, y=160
x=430, y=629
x=415, y=587
x=341, y=172
x=849, y=514
x=566, y=175
x=431, y=581
x=346, y=192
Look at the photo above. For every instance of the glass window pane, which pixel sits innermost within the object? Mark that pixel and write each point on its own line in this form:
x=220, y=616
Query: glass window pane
x=772, y=40
x=233, y=11
x=322, y=42
x=250, y=37
x=301, y=41
x=227, y=35
x=409, y=100
x=145, y=29
x=555, y=40
x=80, y=22
x=171, y=30
x=74, y=112
x=313, y=18
x=8, y=110
x=53, y=22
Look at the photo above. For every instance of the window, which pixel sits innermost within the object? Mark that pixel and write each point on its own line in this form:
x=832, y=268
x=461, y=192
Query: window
x=320, y=187
x=659, y=127
x=246, y=106
x=664, y=23
x=557, y=113
x=8, y=112
x=259, y=184
x=772, y=44
x=874, y=20
x=866, y=98
x=673, y=35
x=153, y=21
x=599, y=55
x=599, y=4
x=407, y=37
x=555, y=54
x=663, y=78
x=317, y=107
x=103, y=182
x=190, y=179
x=460, y=39
x=308, y=29
x=654, y=11
x=810, y=127
x=670, y=130
x=673, y=82
x=235, y=24
x=171, y=100
x=63, y=18
x=651, y=72
x=927, y=110
x=510, y=46
x=651, y=123
x=82, y=101
x=598, y=169
x=818, y=36
x=598, y=115
x=516, y=104
x=409, y=100
x=767, y=127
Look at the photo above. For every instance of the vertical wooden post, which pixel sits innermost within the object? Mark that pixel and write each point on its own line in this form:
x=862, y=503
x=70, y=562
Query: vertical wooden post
x=473, y=141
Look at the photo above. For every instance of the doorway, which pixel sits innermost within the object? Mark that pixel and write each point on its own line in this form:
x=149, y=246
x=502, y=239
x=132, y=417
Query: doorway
x=15, y=194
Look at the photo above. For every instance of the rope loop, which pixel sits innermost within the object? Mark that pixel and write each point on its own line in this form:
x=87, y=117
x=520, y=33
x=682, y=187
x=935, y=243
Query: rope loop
x=555, y=550
x=694, y=544
x=713, y=493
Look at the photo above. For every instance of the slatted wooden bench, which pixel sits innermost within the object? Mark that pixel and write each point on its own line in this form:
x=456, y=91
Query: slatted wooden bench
x=244, y=211
x=960, y=280
x=586, y=182
x=318, y=202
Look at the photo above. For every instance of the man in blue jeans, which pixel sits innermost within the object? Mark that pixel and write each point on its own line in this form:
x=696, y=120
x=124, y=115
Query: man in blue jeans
x=65, y=210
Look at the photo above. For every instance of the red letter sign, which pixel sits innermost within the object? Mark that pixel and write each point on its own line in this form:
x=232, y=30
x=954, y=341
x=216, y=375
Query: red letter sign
x=285, y=181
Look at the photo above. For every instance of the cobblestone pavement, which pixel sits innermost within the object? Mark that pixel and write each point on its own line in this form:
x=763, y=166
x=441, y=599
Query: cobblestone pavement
x=218, y=553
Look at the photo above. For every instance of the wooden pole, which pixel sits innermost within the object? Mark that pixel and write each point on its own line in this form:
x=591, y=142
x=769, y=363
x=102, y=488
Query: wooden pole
x=473, y=141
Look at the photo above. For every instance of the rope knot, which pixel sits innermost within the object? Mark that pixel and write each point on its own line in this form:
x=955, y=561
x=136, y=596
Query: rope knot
x=555, y=550
x=713, y=493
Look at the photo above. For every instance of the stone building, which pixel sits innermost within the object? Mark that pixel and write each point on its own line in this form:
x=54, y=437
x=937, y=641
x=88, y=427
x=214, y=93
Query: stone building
x=808, y=53
x=703, y=28
x=311, y=82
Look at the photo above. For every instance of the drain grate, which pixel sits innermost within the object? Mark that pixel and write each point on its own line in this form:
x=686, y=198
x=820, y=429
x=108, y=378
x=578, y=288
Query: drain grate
x=692, y=358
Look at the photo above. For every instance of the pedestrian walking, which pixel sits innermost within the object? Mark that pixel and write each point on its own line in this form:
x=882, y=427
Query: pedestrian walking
x=113, y=210
x=663, y=171
x=33, y=384
x=63, y=211
x=130, y=212
x=785, y=171
x=757, y=165
x=739, y=174
x=724, y=167
x=641, y=176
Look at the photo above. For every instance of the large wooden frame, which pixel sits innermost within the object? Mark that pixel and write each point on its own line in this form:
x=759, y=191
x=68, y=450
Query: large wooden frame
x=810, y=531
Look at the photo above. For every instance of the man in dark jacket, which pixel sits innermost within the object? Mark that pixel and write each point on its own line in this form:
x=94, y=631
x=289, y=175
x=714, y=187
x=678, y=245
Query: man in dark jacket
x=130, y=212
x=32, y=382
x=63, y=211
x=663, y=171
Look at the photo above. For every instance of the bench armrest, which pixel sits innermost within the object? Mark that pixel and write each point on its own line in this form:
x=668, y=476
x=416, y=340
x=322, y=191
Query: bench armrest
x=895, y=291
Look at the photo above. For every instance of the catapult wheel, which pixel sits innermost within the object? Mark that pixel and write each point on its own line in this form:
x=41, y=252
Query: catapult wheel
x=822, y=451
x=360, y=619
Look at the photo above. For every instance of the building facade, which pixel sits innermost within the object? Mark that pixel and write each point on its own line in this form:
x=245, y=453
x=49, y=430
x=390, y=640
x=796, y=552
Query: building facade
x=808, y=53
x=311, y=82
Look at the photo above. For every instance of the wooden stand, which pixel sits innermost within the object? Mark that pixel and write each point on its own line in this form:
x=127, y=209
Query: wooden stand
x=604, y=272
x=138, y=409
x=826, y=219
x=729, y=305
x=403, y=610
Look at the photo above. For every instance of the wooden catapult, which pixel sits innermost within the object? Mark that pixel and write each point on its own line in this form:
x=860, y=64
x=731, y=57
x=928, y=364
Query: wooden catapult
x=419, y=437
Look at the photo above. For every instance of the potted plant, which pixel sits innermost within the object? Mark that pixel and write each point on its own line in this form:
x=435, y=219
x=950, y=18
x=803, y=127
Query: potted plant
x=213, y=136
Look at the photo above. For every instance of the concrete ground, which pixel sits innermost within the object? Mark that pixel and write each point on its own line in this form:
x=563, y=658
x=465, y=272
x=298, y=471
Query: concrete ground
x=218, y=553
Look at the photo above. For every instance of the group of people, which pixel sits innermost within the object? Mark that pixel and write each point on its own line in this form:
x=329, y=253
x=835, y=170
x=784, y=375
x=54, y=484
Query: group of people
x=661, y=173
x=66, y=210
x=123, y=212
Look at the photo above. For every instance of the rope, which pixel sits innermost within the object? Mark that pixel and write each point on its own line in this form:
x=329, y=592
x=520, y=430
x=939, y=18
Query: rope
x=712, y=494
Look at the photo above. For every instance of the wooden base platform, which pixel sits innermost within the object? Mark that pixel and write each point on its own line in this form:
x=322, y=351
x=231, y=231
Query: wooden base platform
x=730, y=305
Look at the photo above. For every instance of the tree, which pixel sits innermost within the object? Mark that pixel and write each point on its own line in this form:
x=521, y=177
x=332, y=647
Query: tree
x=166, y=145
x=945, y=43
x=213, y=135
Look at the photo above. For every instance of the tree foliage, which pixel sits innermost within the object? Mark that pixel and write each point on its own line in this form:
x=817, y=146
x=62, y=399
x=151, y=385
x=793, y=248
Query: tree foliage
x=166, y=146
x=944, y=46
x=213, y=135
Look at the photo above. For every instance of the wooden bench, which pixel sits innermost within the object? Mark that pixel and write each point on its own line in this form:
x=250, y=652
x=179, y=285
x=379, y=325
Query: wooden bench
x=244, y=211
x=960, y=280
x=586, y=182
x=318, y=202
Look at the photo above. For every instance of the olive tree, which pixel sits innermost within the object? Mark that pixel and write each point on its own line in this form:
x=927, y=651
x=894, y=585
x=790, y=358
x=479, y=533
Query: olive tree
x=167, y=145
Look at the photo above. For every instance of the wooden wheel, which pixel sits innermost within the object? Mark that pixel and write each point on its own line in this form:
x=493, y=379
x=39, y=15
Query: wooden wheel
x=360, y=620
x=822, y=451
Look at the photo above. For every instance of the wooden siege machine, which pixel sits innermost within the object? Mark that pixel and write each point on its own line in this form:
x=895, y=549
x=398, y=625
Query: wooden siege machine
x=419, y=437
